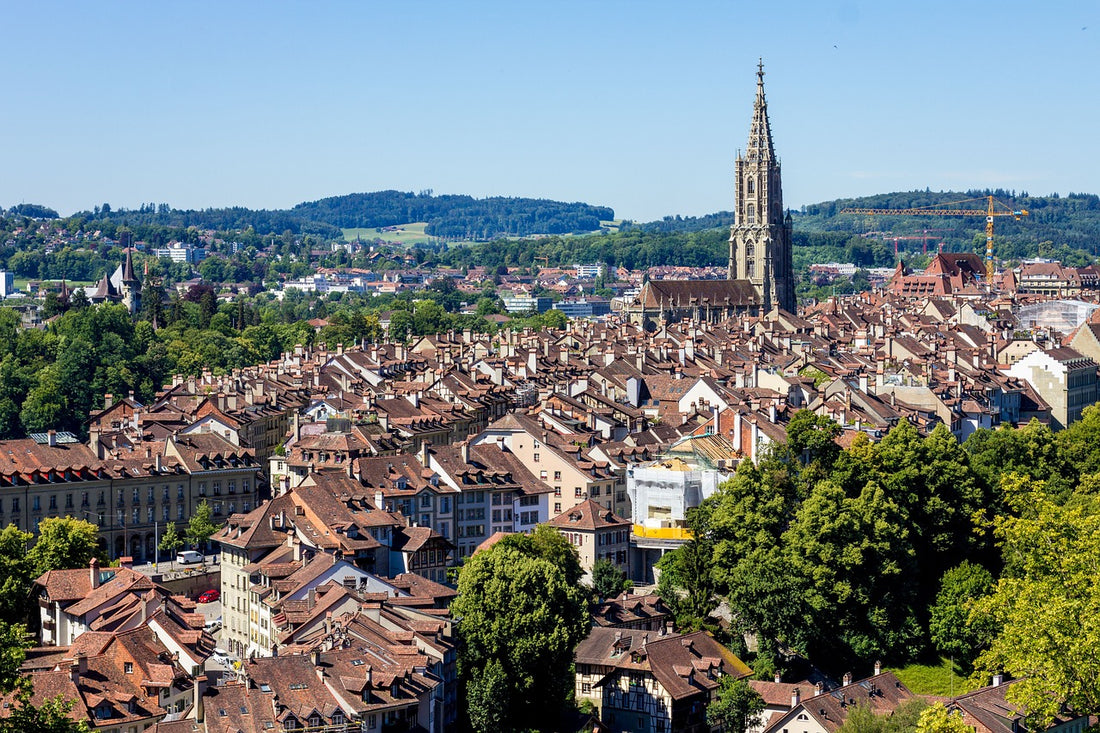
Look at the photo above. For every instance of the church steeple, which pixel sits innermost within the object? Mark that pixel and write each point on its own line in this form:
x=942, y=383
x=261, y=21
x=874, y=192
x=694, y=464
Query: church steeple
x=760, y=238
x=760, y=134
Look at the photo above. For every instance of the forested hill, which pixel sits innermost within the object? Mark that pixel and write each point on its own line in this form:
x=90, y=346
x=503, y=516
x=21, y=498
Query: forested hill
x=448, y=216
x=457, y=217
x=1067, y=226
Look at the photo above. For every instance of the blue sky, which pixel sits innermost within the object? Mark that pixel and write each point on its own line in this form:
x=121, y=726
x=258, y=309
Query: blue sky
x=637, y=105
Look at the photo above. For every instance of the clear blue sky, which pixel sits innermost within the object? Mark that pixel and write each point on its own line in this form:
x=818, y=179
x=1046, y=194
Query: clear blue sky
x=636, y=105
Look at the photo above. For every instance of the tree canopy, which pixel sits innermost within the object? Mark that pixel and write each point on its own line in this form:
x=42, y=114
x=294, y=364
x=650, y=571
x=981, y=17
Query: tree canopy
x=520, y=617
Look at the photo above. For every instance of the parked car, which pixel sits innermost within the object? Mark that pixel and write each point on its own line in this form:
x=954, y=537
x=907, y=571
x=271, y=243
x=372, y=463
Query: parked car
x=213, y=627
x=210, y=596
x=221, y=656
x=189, y=557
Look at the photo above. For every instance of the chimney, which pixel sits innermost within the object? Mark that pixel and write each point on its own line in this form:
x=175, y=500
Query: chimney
x=315, y=654
x=819, y=687
x=52, y=438
x=79, y=667
x=778, y=679
x=796, y=697
x=93, y=440
x=93, y=572
x=108, y=401
x=465, y=451
x=199, y=704
x=126, y=562
x=847, y=678
x=998, y=679
x=158, y=462
x=878, y=667
x=425, y=452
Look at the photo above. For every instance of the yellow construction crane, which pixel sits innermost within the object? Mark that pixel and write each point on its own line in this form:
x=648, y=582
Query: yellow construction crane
x=989, y=213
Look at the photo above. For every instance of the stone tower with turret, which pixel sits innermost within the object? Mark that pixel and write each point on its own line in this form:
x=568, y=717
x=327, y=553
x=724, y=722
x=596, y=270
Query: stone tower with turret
x=760, y=238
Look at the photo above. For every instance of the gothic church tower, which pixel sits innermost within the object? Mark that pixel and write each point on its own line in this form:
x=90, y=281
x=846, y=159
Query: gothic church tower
x=760, y=238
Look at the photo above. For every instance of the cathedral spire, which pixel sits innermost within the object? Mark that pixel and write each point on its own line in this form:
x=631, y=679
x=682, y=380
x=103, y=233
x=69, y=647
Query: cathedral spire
x=760, y=134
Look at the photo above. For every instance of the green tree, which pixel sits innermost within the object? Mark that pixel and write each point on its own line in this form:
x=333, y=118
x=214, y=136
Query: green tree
x=45, y=407
x=735, y=705
x=170, y=541
x=953, y=631
x=15, y=572
x=857, y=561
x=937, y=718
x=1045, y=605
x=812, y=437
x=520, y=619
x=20, y=715
x=685, y=581
x=201, y=527
x=1079, y=444
x=607, y=580
x=551, y=545
x=63, y=543
x=862, y=718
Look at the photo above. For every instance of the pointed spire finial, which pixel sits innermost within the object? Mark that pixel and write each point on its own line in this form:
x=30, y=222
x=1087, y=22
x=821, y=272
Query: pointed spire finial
x=760, y=70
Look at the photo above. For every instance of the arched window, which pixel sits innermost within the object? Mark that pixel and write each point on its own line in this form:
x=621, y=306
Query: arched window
x=750, y=268
x=750, y=250
x=750, y=186
x=750, y=213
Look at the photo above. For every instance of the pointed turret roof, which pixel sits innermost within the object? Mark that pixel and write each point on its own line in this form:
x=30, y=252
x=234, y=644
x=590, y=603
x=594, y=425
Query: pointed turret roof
x=760, y=135
x=128, y=275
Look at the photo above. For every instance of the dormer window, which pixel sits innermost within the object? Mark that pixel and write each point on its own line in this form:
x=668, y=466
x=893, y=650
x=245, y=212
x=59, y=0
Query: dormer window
x=128, y=667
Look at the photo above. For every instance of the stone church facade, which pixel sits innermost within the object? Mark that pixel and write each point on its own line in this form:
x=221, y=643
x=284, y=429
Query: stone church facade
x=761, y=273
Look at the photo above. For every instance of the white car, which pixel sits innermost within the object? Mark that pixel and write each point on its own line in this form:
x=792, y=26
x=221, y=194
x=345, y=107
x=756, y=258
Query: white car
x=213, y=626
x=221, y=656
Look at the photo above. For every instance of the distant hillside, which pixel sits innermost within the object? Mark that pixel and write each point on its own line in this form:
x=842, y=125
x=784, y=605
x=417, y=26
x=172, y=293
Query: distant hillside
x=447, y=216
x=457, y=217
x=1068, y=227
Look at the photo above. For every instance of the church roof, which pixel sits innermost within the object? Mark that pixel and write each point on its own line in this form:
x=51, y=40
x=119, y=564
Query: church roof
x=692, y=293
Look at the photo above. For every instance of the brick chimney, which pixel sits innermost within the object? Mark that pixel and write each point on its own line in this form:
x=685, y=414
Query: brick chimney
x=796, y=698
x=93, y=572
x=199, y=703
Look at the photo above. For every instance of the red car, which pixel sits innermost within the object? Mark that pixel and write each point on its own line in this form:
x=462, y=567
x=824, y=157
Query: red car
x=210, y=596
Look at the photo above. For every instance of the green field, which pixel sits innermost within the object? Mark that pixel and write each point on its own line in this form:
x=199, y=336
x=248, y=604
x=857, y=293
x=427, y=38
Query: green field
x=405, y=234
x=20, y=283
x=944, y=679
x=413, y=234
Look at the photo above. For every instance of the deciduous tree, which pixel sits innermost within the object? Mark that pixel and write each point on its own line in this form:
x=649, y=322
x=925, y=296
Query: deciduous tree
x=1046, y=605
x=735, y=705
x=953, y=630
x=938, y=719
x=63, y=543
x=520, y=619
x=201, y=527
x=607, y=580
